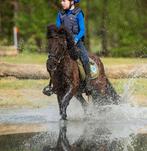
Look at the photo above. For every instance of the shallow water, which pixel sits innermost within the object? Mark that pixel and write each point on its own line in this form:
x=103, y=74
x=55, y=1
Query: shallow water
x=108, y=128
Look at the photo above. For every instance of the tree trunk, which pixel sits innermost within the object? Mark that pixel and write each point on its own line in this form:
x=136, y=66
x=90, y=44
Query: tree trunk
x=16, y=8
x=0, y=23
x=104, y=36
x=15, y=12
x=87, y=25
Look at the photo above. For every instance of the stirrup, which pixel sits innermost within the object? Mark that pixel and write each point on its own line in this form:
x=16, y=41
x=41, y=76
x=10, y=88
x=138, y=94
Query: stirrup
x=47, y=90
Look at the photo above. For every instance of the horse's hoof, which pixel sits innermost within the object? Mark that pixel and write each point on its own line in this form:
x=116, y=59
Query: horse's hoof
x=63, y=120
x=63, y=117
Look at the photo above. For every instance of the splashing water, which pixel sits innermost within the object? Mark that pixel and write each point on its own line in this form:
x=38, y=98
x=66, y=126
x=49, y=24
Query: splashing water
x=129, y=87
x=111, y=127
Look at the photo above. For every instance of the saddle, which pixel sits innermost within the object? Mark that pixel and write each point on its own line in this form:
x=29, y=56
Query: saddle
x=94, y=71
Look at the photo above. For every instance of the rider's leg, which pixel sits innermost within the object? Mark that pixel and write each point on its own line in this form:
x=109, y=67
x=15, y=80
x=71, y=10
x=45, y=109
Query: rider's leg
x=85, y=61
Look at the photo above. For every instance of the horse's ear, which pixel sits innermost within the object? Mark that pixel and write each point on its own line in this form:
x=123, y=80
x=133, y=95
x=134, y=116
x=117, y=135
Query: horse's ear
x=72, y=49
x=51, y=30
x=62, y=31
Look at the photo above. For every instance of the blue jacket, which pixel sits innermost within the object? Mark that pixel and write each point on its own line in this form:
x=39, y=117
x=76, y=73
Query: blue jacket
x=74, y=21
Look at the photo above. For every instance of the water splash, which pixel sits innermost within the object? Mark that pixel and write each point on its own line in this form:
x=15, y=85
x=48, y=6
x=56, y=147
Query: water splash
x=129, y=88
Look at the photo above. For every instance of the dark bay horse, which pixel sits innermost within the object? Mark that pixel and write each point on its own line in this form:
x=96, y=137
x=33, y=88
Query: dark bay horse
x=64, y=72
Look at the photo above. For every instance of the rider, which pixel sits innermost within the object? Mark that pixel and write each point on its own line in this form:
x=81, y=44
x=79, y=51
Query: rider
x=73, y=19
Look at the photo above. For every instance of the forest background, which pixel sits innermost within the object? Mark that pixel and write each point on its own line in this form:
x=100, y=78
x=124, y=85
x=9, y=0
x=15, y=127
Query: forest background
x=116, y=28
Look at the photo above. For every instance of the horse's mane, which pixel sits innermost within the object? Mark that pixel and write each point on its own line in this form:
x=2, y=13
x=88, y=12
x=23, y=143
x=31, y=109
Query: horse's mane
x=62, y=32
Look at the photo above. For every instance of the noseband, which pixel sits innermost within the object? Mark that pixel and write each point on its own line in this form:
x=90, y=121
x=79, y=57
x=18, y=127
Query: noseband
x=55, y=58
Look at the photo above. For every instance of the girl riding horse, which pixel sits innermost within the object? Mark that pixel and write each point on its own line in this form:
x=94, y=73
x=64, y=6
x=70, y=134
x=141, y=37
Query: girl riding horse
x=72, y=18
x=63, y=69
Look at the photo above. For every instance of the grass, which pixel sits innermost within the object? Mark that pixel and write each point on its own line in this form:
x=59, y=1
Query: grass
x=15, y=84
x=36, y=58
x=21, y=93
x=134, y=89
x=138, y=86
x=26, y=92
x=25, y=58
x=119, y=61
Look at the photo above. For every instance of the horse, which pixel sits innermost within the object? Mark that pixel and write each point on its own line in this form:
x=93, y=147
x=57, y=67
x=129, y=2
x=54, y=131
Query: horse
x=64, y=72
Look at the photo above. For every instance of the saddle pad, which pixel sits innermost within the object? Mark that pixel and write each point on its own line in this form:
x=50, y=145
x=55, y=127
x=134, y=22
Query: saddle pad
x=81, y=70
x=94, y=71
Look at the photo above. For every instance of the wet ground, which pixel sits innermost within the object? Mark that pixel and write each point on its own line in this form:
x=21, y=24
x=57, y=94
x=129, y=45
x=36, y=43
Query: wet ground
x=108, y=128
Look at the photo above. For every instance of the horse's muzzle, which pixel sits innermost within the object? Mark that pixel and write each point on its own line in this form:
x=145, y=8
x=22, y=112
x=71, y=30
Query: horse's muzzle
x=51, y=65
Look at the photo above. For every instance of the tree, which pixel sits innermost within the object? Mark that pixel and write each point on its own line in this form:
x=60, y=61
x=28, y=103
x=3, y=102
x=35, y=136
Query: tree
x=87, y=24
x=6, y=21
x=104, y=36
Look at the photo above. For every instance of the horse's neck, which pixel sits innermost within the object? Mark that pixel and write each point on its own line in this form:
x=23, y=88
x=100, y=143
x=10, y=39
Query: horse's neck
x=65, y=59
x=63, y=63
x=60, y=73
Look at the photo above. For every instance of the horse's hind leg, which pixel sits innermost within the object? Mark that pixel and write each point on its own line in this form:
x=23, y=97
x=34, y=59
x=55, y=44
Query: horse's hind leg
x=82, y=101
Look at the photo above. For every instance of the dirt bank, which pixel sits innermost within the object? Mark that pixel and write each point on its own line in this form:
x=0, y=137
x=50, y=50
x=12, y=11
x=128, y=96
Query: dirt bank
x=32, y=71
x=8, y=51
x=23, y=71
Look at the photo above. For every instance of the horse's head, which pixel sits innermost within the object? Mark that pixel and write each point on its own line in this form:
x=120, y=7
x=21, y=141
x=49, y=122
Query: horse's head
x=59, y=43
x=56, y=46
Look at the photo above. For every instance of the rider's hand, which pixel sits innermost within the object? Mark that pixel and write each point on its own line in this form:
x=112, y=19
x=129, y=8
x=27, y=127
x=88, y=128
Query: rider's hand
x=75, y=40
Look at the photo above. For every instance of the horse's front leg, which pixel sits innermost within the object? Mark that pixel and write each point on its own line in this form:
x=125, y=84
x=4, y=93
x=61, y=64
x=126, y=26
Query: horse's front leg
x=65, y=102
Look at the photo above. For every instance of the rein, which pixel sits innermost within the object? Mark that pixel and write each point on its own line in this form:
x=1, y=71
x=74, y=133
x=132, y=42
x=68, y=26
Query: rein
x=50, y=56
x=55, y=58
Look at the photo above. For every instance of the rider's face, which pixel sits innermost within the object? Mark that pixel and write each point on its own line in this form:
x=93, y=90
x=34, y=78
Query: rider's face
x=65, y=4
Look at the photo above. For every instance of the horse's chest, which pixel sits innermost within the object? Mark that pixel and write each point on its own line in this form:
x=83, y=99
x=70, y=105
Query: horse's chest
x=59, y=78
x=62, y=75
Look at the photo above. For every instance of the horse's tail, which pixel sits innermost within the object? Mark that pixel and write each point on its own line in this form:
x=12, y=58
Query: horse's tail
x=111, y=92
x=104, y=86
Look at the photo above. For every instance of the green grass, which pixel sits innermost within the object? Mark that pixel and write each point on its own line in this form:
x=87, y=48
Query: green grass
x=15, y=84
x=28, y=93
x=16, y=93
x=119, y=61
x=139, y=86
x=25, y=58
x=36, y=58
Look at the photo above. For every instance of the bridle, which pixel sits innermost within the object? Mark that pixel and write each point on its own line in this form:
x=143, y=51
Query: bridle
x=55, y=58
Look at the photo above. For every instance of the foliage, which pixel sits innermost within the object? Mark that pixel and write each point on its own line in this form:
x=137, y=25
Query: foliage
x=118, y=26
x=26, y=58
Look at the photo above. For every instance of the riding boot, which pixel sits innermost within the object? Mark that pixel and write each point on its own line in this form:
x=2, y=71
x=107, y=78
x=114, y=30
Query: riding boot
x=87, y=70
x=48, y=90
